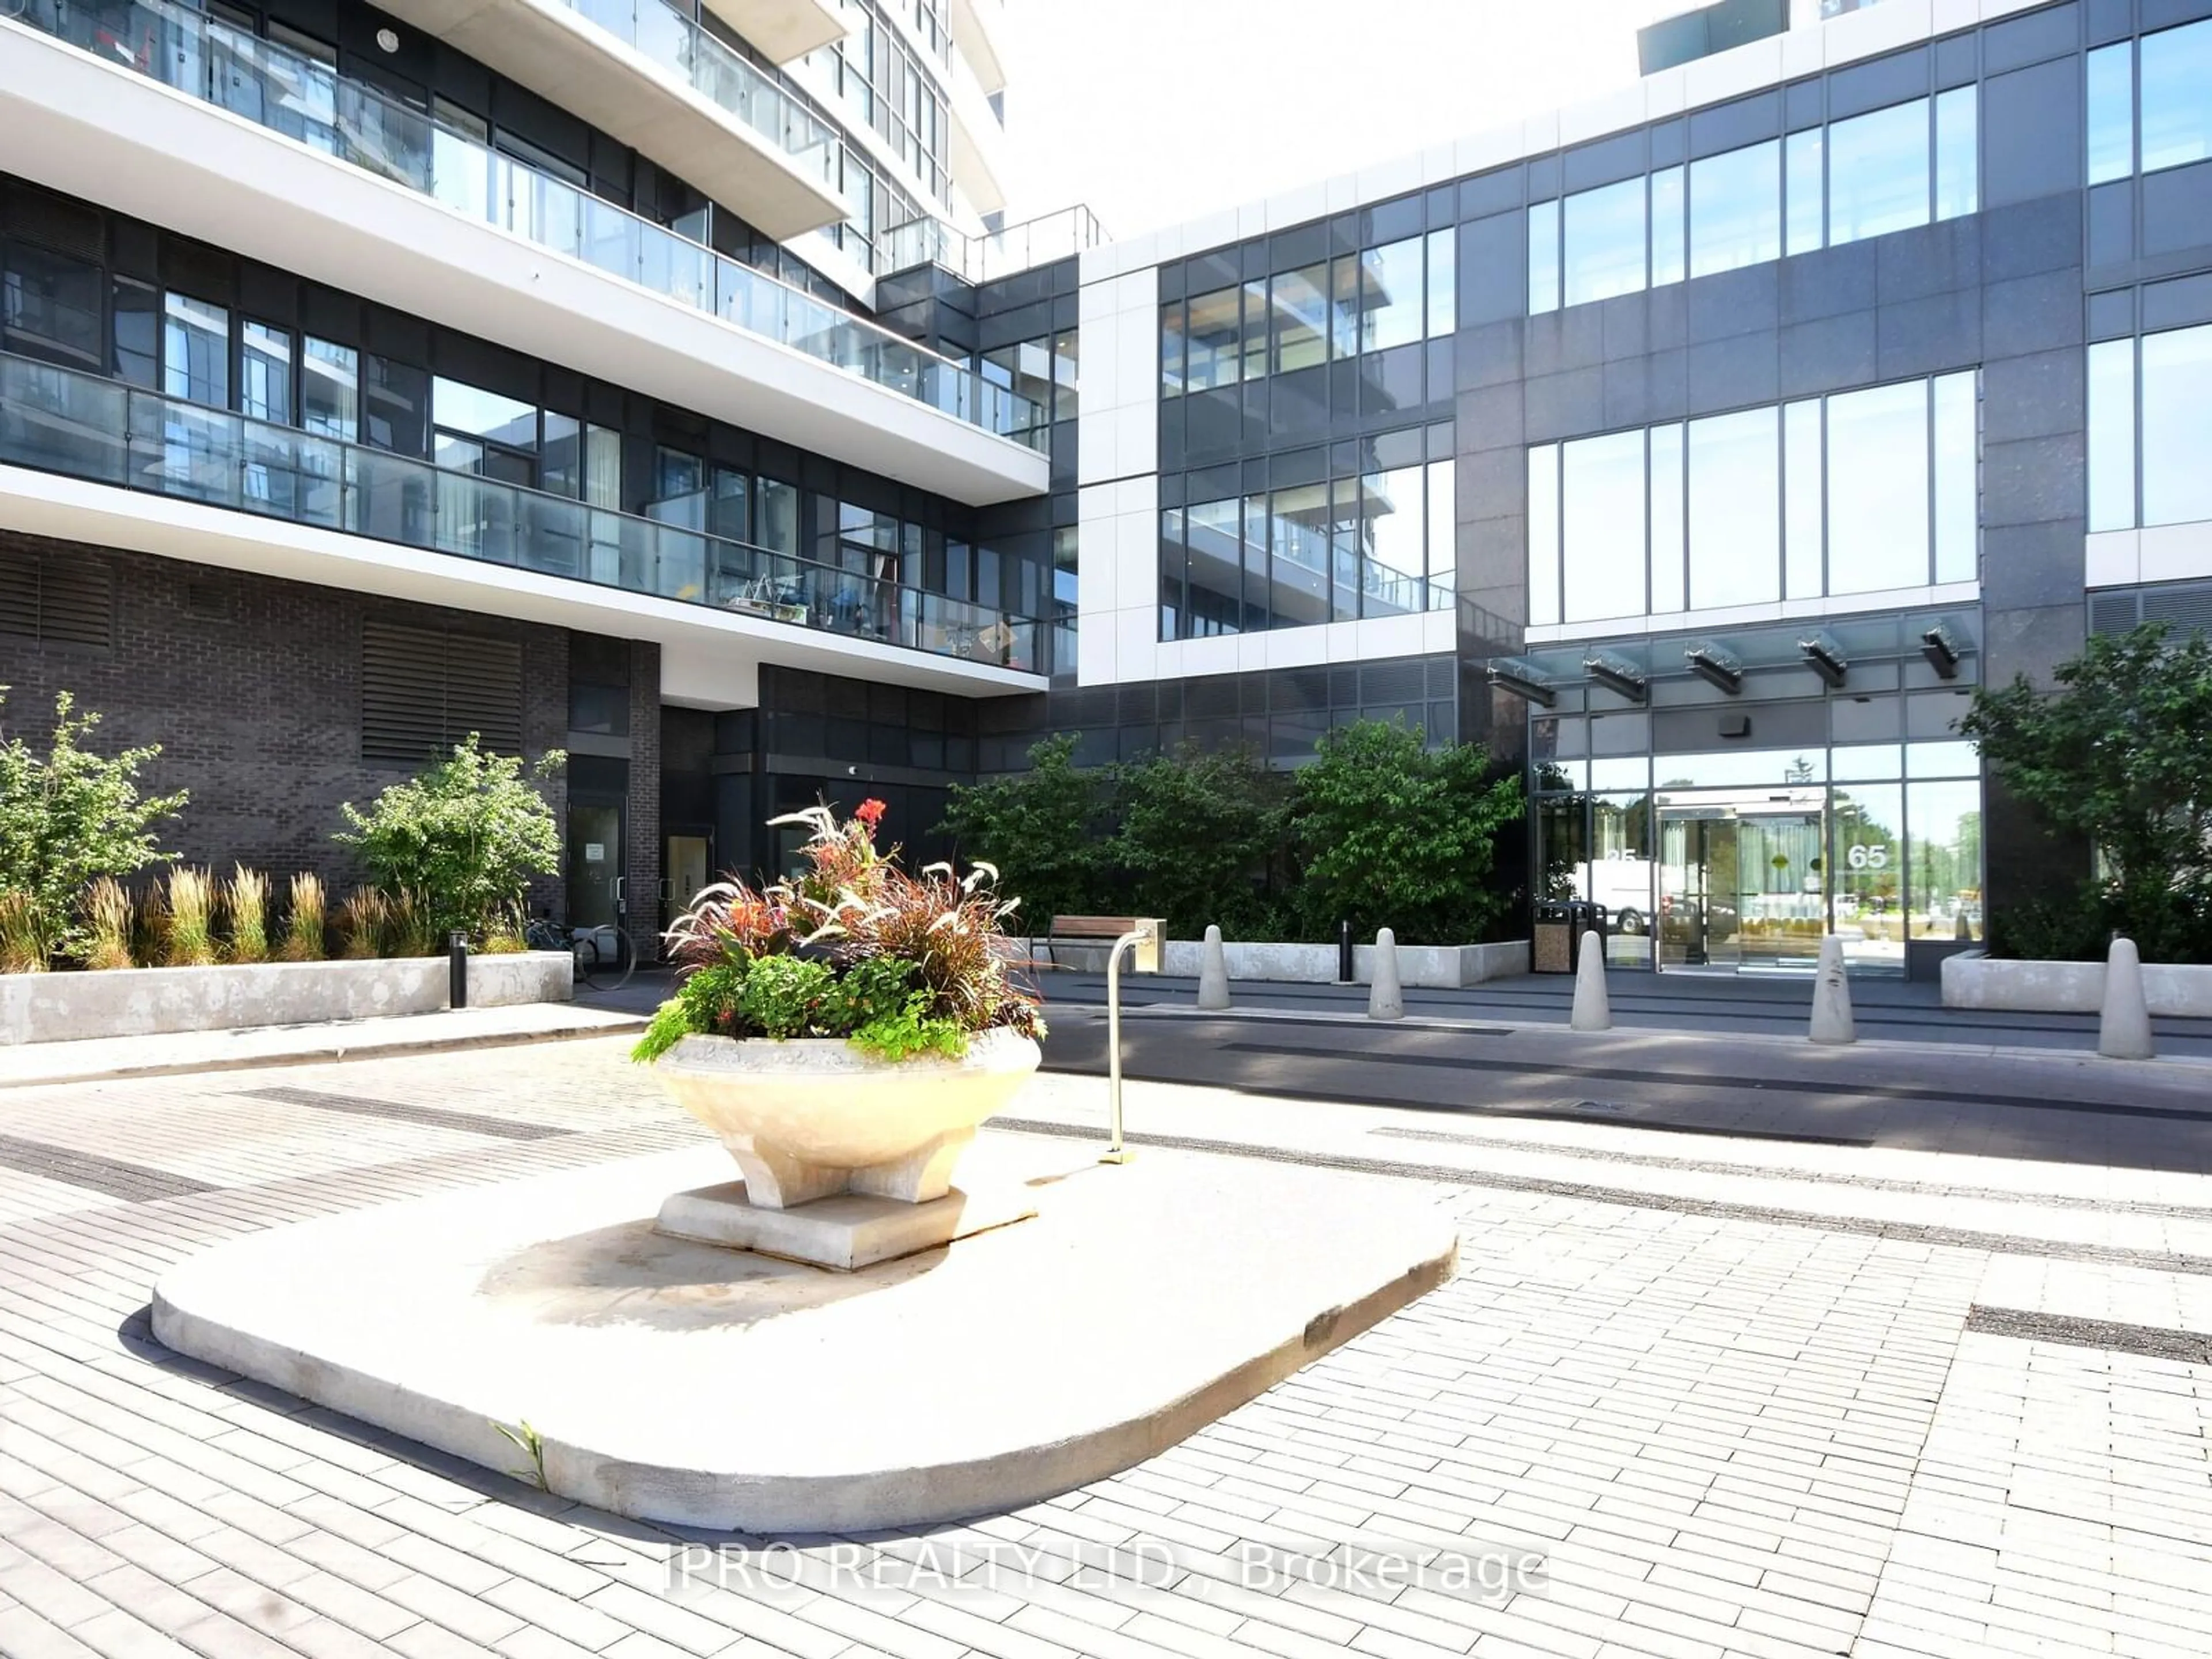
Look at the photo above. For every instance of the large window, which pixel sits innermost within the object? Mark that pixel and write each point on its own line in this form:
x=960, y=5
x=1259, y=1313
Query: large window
x=2151, y=409
x=50, y=307
x=1394, y=295
x=1375, y=543
x=2148, y=104
x=1884, y=171
x=1043, y=371
x=1861, y=492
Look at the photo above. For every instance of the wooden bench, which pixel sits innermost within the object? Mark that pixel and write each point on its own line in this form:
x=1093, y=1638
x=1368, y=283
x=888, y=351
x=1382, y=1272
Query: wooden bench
x=1092, y=930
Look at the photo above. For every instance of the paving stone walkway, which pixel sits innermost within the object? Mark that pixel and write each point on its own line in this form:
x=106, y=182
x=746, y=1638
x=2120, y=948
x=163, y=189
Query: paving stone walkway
x=1740, y=1398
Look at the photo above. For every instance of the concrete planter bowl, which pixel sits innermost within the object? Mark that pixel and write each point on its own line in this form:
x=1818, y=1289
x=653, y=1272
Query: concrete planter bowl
x=814, y=1116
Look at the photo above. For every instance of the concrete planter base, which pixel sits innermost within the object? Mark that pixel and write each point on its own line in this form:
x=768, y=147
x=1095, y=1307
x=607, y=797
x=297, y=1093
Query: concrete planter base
x=63, y=1007
x=1972, y=980
x=1428, y=967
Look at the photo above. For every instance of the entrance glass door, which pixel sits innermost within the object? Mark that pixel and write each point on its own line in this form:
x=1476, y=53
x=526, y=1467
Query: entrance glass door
x=595, y=863
x=1743, y=881
x=686, y=868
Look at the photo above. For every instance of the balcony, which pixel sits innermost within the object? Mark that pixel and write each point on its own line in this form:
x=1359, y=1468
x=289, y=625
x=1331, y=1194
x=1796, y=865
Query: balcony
x=337, y=182
x=364, y=511
x=783, y=30
x=978, y=28
x=975, y=260
x=664, y=85
x=979, y=142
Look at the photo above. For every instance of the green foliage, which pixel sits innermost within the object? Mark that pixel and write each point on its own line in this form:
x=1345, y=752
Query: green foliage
x=1392, y=834
x=1042, y=829
x=706, y=1001
x=67, y=818
x=1201, y=835
x=2118, y=757
x=878, y=1001
x=781, y=995
x=464, y=837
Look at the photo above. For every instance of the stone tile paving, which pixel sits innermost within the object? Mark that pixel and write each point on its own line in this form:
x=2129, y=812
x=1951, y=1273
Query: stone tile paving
x=1723, y=1437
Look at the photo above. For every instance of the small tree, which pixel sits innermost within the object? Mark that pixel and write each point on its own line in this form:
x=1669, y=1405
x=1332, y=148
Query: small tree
x=1201, y=835
x=1039, y=828
x=2119, y=755
x=464, y=837
x=1394, y=835
x=67, y=818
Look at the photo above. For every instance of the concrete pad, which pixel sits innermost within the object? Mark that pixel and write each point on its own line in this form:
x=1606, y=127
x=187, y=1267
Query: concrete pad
x=682, y=1382
x=844, y=1233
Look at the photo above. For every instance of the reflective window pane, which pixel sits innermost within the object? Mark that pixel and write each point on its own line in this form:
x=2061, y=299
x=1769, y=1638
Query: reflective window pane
x=1735, y=510
x=265, y=373
x=1171, y=349
x=1943, y=859
x=1256, y=330
x=1736, y=209
x=1171, y=574
x=1213, y=530
x=50, y=308
x=1391, y=579
x=1256, y=563
x=1543, y=535
x=1301, y=318
x=1391, y=311
x=1443, y=526
x=1803, y=160
x=1958, y=478
x=1543, y=258
x=1298, y=527
x=1802, y=500
x=1344, y=307
x=1867, y=881
x=2177, y=96
x=137, y=356
x=1605, y=242
x=1878, y=488
x=1344, y=549
x=1669, y=227
x=1065, y=360
x=1211, y=337
x=459, y=407
x=330, y=390
x=1443, y=281
x=1958, y=153
x=2112, y=112
x=1602, y=502
x=1878, y=172
x=1666, y=468
x=2177, y=414
x=195, y=351
x=2112, y=435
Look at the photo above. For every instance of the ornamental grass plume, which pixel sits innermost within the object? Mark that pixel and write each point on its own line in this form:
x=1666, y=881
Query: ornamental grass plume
x=361, y=921
x=22, y=942
x=190, y=942
x=408, y=928
x=246, y=897
x=303, y=922
x=109, y=918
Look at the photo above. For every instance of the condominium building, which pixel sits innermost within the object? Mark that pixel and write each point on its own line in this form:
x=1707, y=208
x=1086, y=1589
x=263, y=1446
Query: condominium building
x=659, y=386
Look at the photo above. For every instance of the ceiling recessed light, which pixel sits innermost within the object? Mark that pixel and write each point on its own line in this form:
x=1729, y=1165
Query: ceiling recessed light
x=388, y=40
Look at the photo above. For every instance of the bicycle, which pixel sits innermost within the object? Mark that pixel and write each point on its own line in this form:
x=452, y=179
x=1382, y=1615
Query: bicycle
x=604, y=956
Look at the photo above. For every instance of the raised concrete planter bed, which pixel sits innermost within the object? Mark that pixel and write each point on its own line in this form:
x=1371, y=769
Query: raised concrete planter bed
x=1972, y=980
x=153, y=1001
x=1431, y=967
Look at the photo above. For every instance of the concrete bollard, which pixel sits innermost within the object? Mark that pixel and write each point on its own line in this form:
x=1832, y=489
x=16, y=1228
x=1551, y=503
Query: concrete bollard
x=1212, y=973
x=1593, y=1007
x=1831, y=997
x=2124, y=1027
x=1386, y=999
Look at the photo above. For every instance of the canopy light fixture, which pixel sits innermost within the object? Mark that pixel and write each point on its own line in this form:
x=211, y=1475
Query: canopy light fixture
x=1615, y=673
x=1523, y=679
x=1826, y=658
x=1716, y=666
x=1943, y=649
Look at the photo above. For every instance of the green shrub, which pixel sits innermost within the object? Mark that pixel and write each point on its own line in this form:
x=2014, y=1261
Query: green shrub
x=1201, y=836
x=68, y=817
x=1043, y=831
x=464, y=837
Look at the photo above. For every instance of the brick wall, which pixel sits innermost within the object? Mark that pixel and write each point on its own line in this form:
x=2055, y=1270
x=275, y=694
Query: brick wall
x=643, y=860
x=252, y=686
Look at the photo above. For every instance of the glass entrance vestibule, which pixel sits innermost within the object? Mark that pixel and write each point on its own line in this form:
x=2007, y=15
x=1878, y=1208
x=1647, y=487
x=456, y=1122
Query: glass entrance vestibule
x=1740, y=861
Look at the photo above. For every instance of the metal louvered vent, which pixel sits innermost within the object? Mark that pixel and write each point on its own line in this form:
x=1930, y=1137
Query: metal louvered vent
x=58, y=600
x=2111, y=613
x=422, y=690
x=2182, y=610
x=1392, y=682
x=1211, y=698
x=55, y=221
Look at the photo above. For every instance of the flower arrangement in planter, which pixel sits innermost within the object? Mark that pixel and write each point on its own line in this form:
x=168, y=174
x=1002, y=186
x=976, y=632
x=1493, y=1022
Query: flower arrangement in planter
x=848, y=1030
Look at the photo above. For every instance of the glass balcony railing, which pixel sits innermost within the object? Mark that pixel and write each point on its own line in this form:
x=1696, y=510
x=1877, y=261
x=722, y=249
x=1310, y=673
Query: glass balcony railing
x=719, y=76
x=59, y=420
x=305, y=100
x=985, y=259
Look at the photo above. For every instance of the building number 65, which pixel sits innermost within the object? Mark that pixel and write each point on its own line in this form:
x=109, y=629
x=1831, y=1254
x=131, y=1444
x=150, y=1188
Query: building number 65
x=1868, y=858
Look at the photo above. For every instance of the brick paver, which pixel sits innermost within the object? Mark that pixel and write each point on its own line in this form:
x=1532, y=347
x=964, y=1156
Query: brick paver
x=1746, y=1417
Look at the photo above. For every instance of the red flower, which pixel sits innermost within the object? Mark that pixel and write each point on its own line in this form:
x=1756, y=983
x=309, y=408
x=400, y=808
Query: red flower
x=870, y=813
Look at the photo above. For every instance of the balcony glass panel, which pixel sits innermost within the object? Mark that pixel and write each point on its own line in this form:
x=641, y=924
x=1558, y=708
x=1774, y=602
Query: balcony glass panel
x=57, y=420
x=299, y=97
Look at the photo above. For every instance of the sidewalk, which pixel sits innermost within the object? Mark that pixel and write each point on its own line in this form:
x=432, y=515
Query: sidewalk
x=100, y=1058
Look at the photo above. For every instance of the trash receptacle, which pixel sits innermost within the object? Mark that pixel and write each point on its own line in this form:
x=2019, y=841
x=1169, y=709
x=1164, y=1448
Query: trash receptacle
x=1551, y=947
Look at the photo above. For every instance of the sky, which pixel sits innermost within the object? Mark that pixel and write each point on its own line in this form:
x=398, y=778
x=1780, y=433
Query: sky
x=1154, y=112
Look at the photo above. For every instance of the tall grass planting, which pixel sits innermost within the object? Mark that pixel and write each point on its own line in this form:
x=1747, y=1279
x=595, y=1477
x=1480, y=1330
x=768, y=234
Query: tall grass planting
x=110, y=919
x=192, y=897
x=247, y=898
x=361, y=921
x=22, y=942
x=303, y=921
